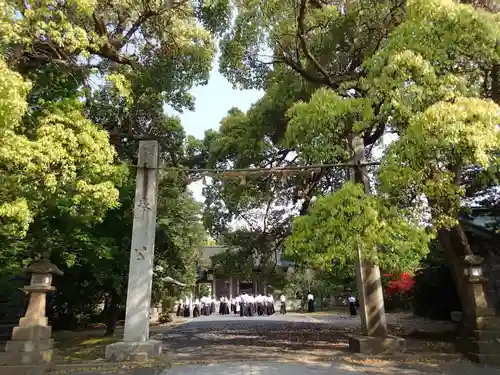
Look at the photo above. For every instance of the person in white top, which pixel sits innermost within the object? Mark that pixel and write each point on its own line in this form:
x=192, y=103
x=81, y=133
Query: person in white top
x=237, y=304
x=203, y=301
x=233, y=305
x=310, y=303
x=242, y=305
x=283, y=304
x=352, y=305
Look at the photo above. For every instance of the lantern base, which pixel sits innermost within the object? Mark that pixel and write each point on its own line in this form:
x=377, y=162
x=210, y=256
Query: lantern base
x=376, y=345
x=481, y=344
x=133, y=351
x=29, y=346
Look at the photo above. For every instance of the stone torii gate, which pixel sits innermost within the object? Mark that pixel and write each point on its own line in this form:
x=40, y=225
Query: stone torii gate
x=136, y=343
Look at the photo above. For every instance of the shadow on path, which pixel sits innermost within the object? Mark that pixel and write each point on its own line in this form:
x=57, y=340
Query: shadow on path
x=284, y=338
x=324, y=368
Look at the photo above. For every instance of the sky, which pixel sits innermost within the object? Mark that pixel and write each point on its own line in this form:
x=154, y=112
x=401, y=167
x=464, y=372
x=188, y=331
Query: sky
x=212, y=103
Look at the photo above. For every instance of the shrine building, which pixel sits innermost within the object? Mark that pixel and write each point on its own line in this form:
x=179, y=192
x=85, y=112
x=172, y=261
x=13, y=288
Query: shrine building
x=231, y=286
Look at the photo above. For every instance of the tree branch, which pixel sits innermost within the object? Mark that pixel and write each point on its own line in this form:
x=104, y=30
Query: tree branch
x=301, y=32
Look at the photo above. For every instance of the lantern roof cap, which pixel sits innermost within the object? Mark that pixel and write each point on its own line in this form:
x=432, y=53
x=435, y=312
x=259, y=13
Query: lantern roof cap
x=43, y=266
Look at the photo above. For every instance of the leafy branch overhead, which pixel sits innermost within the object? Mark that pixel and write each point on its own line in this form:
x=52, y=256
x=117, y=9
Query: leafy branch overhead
x=423, y=72
x=340, y=224
x=67, y=164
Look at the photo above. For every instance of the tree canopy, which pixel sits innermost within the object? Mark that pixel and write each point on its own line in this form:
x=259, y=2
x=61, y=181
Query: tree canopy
x=423, y=72
x=64, y=166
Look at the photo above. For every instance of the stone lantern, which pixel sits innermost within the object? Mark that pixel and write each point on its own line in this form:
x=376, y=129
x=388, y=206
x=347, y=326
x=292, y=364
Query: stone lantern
x=473, y=268
x=31, y=342
x=480, y=325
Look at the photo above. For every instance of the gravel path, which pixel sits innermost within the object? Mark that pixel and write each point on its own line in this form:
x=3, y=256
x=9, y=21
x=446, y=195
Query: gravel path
x=295, y=344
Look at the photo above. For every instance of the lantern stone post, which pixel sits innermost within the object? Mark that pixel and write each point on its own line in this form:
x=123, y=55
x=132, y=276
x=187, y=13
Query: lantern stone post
x=31, y=346
x=478, y=340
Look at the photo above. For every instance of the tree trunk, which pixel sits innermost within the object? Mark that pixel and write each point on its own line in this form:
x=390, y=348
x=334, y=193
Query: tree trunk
x=112, y=314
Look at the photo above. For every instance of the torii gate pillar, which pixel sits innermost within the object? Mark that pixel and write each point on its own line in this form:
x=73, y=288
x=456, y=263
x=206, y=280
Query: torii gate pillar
x=136, y=344
x=374, y=338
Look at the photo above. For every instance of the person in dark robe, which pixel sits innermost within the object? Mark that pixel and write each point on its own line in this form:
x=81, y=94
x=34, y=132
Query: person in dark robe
x=310, y=303
x=271, y=303
x=283, y=305
x=265, y=305
x=187, y=308
x=259, y=301
x=237, y=305
x=221, y=306
x=242, y=305
x=212, y=306
x=179, y=308
x=227, y=310
x=251, y=306
x=196, y=308
x=352, y=305
x=246, y=304
x=203, y=308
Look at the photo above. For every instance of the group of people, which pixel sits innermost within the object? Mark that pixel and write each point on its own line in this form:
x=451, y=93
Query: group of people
x=245, y=305
x=252, y=305
x=352, y=303
x=200, y=306
x=242, y=305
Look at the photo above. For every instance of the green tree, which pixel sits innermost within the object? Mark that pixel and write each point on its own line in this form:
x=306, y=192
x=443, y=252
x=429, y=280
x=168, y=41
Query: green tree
x=347, y=221
x=65, y=167
x=115, y=65
x=413, y=70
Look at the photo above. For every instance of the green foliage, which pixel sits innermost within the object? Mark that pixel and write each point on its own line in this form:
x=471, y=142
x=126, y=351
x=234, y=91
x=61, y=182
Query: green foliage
x=421, y=71
x=66, y=165
x=321, y=283
x=347, y=220
x=179, y=235
x=136, y=36
x=438, y=143
x=205, y=289
x=318, y=128
x=75, y=76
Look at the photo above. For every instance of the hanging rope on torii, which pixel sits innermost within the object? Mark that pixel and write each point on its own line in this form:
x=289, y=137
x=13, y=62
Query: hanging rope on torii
x=136, y=335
